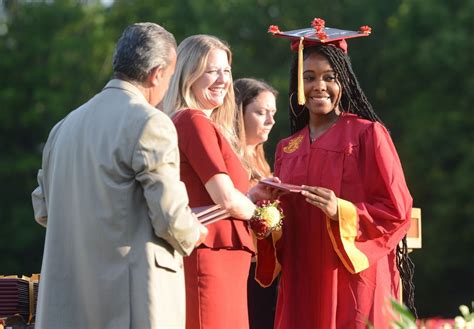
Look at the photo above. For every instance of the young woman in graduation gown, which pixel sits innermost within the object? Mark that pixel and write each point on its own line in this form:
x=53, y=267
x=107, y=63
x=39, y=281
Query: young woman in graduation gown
x=337, y=251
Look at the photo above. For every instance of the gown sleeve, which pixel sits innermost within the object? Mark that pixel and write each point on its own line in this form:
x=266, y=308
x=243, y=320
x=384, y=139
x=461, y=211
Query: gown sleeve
x=268, y=267
x=369, y=230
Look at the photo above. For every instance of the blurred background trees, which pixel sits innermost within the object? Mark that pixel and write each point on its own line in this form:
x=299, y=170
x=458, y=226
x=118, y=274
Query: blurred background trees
x=416, y=68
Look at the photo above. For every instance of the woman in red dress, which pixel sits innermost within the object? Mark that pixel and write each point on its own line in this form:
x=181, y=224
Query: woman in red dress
x=256, y=102
x=337, y=252
x=202, y=105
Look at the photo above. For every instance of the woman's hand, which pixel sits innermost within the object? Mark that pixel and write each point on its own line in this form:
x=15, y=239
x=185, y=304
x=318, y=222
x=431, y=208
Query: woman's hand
x=323, y=198
x=264, y=192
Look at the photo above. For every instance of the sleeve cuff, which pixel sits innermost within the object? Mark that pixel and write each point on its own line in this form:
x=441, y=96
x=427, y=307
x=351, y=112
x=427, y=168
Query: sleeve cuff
x=343, y=235
x=39, y=206
x=268, y=267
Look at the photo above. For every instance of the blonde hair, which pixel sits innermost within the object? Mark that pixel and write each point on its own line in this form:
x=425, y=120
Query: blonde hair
x=193, y=53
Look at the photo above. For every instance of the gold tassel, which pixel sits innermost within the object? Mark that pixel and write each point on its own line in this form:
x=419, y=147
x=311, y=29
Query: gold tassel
x=301, y=97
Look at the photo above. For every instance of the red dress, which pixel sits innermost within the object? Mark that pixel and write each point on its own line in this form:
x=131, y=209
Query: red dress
x=216, y=273
x=338, y=274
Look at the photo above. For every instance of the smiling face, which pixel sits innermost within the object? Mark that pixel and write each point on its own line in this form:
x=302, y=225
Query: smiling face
x=321, y=88
x=211, y=87
x=258, y=118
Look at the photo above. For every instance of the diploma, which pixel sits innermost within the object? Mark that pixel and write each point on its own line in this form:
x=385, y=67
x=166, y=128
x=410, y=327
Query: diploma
x=210, y=214
x=283, y=186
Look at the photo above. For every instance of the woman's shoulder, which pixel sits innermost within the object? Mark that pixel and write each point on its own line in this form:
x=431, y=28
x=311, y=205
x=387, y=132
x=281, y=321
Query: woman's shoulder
x=184, y=114
x=357, y=125
x=355, y=120
x=188, y=118
x=194, y=126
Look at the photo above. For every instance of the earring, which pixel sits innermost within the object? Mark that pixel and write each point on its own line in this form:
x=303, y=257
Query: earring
x=301, y=110
x=338, y=103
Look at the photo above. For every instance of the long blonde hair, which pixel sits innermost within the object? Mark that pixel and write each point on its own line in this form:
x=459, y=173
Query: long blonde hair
x=193, y=53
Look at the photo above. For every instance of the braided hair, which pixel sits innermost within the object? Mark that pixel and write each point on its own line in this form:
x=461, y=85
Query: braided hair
x=353, y=100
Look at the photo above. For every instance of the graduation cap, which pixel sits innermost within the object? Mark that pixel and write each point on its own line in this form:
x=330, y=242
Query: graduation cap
x=317, y=34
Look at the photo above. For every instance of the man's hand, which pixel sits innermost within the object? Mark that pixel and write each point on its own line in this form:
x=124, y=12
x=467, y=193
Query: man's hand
x=202, y=235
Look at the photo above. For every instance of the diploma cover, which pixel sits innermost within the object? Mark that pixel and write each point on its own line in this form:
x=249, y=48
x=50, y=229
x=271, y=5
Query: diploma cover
x=283, y=186
x=210, y=214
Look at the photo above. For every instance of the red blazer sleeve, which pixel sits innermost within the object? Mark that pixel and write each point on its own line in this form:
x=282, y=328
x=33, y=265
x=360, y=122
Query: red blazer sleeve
x=369, y=230
x=202, y=143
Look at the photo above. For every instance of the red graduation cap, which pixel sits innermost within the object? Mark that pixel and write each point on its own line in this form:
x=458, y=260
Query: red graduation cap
x=318, y=33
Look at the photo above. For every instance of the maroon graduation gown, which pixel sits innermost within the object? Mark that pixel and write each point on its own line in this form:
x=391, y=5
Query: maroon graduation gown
x=338, y=274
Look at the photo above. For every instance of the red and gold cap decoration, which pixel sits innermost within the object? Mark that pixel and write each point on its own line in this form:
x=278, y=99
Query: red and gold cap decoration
x=318, y=33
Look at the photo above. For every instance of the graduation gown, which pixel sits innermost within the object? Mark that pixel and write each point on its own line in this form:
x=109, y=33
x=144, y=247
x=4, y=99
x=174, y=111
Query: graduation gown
x=338, y=274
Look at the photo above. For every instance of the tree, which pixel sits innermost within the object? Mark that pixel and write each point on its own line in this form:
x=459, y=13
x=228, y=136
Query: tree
x=428, y=92
x=54, y=57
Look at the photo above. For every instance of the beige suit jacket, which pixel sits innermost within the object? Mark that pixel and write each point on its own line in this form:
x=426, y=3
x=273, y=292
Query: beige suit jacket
x=116, y=215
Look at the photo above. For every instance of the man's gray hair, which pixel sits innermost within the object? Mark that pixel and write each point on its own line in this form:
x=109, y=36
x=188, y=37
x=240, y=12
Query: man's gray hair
x=141, y=48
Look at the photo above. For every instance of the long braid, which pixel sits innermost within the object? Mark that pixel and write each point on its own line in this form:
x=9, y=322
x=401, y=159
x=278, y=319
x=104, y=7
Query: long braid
x=406, y=267
x=353, y=100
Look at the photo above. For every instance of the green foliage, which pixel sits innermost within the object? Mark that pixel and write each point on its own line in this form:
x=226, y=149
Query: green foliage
x=403, y=318
x=466, y=319
x=54, y=57
x=416, y=68
x=428, y=93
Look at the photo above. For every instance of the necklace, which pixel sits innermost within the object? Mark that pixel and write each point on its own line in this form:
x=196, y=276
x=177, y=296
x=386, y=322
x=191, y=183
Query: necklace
x=315, y=134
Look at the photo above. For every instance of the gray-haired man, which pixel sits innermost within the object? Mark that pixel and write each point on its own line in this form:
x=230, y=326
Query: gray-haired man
x=110, y=196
